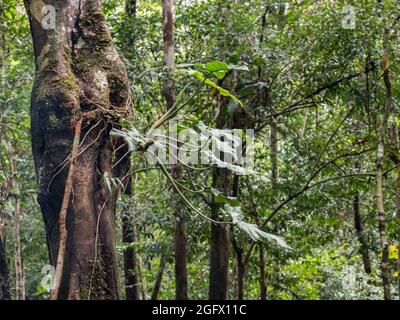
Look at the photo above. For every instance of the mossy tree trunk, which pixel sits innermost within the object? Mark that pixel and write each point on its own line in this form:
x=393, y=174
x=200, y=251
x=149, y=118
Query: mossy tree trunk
x=79, y=78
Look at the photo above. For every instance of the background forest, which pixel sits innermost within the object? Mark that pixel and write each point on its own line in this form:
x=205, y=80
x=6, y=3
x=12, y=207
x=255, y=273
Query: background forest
x=319, y=83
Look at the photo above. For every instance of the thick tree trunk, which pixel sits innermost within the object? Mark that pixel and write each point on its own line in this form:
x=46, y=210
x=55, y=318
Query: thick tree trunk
x=169, y=91
x=359, y=225
x=79, y=78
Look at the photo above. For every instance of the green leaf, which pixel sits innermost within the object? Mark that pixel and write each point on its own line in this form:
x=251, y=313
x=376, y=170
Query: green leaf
x=26, y=123
x=216, y=66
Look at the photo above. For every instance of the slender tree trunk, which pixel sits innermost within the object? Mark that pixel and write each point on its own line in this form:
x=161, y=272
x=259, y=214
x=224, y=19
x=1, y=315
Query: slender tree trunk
x=274, y=152
x=19, y=274
x=157, y=284
x=131, y=7
x=395, y=156
x=219, y=246
x=263, y=286
x=266, y=97
x=79, y=78
x=398, y=209
x=130, y=255
x=127, y=217
x=222, y=180
x=4, y=271
x=398, y=224
x=169, y=91
x=131, y=277
x=397, y=162
x=359, y=225
x=227, y=183
x=219, y=250
x=382, y=226
x=240, y=274
x=181, y=259
x=239, y=250
x=240, y=269
x=380, y=155
x=142, y=278
x=379, y=177
x=398, y=219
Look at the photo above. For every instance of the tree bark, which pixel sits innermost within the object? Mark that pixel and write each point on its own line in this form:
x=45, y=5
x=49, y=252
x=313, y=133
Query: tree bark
x=79, y=77
x=130, y=255
x=219, y=248
x=157, y=284
x=181, y=285
x=131, y=277
x=241, y=268
x=263, y=286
